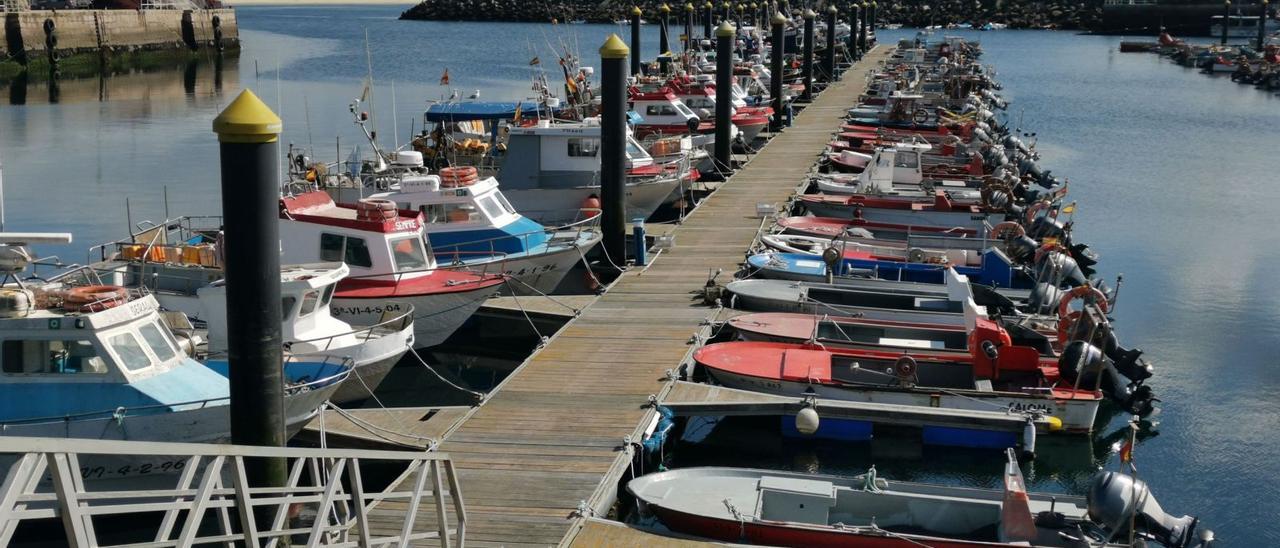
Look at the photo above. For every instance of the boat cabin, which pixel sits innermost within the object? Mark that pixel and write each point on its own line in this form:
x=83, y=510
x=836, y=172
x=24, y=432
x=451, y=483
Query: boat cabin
x=546, y=155
x=663, y=112
x=375, y=240
x=475, y=218
x=305, y=293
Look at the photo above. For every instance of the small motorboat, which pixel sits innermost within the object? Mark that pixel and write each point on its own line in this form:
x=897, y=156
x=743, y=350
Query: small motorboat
x=939, y=212
x=843, y=227
x=775, y=508
x=987, y=267
x=891, y=301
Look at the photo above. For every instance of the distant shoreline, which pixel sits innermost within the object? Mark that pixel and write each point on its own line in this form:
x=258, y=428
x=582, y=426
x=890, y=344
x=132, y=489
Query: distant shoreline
x=239, y=3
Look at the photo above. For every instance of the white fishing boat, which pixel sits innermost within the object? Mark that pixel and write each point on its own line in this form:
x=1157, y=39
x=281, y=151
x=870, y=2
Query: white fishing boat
x=85, y=359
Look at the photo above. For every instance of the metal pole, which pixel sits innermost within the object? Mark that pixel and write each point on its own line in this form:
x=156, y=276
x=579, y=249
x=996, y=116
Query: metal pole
x=613, y=145
x=248, y=133
x=1226, y=15
x=853, y=32
x=708, y=15
x=724, y=96
x=831, y=44
x=779, y=24
x=1262, y=24
x=664, y=21
x=635, y=41
x=688, y=27
x=807, y=95
x=871, y=20
x=862, y=33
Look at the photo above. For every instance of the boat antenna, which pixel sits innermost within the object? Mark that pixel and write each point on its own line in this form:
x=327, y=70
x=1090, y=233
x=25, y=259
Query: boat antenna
x=284, y=169
x=306, y=108
x=395, y=124
x=1, y=196
x=368, y=59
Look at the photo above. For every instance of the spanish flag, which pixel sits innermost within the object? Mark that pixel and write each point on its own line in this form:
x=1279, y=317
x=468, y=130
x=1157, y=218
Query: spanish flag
x=1126, y=452
x=444, y=79
x=516, y=118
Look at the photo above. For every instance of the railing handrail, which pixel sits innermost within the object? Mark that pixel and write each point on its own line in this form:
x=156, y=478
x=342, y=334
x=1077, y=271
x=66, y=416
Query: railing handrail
x=20, y=444
x=400, y=318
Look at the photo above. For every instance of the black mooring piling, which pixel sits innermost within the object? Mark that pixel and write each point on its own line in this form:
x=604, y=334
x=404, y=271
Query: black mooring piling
x=248, y=132
x=830, y=57
x=664, y=24
x=854, y=53
x=807, y=95
x=725, y=35
x=613, y=145
x=779, y=24
x=635, y=41
x=862, y=23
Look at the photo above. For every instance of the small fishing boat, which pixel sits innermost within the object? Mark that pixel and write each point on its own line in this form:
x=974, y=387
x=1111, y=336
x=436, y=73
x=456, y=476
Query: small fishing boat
x=993, y=374
x=391, y=262
x=775, y=508
x=842, y=227
x=85, y=359
x=470, y=223
x=987, y=267
x=941, y=211
x=892, y=301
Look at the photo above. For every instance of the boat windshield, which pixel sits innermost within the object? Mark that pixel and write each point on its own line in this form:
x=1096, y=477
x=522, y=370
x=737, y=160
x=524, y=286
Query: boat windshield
x=160, y=345
x=130, y=352
x=408, y=253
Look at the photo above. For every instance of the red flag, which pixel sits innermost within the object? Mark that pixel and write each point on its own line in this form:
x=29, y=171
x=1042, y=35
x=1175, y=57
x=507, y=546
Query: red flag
x=1126, y=452
x=444, y=79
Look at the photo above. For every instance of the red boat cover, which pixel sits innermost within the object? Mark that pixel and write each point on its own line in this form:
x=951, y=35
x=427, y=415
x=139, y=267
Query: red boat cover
x=810, y=366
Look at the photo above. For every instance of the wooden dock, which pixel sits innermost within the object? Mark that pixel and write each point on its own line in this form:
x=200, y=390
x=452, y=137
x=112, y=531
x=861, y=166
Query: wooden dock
x=547, y=449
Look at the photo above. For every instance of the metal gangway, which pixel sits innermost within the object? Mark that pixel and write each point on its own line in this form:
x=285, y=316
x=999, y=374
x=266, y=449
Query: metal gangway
x=205, y=496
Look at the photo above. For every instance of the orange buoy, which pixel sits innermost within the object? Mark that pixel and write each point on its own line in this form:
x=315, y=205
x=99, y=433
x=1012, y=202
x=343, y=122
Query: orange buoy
x=94, y=298
x=591, y=206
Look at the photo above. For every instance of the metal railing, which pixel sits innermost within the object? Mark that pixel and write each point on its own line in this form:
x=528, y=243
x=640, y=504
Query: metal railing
x=200, y=494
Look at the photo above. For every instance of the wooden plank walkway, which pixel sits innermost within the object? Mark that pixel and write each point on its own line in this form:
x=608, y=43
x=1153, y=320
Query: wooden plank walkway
x=389, y=428
x=548, y=444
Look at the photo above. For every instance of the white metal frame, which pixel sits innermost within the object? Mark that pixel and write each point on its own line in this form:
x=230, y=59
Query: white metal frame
x=45, y=482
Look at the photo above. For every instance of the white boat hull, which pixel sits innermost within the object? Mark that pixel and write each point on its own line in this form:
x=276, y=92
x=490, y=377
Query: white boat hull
x=435, y=316
x=939, y=219
x=1076, y=415
x=371, y=360
x=554, y=206
x=537, y=273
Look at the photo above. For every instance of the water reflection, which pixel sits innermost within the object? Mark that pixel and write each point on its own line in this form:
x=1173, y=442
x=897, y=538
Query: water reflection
x=199, y=77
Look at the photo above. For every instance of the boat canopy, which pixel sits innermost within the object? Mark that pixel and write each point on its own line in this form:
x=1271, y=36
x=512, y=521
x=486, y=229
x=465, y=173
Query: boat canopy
x=461, y=112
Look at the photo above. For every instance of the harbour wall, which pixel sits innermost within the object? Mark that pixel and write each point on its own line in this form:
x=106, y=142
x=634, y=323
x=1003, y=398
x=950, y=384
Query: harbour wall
x=51, y=36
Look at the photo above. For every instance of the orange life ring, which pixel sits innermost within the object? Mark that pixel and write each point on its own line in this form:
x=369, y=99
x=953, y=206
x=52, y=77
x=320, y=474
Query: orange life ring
x=453, y=177
x=1068, y=318
x=375, y=209
x=1006, y=226
x=94, y=298
x=1035, y=208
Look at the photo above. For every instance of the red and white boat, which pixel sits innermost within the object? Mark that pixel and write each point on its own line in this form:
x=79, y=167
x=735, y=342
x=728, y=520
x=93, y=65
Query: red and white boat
x=701, y=97
x=833, y=227
x=994, y=374
x=391, y=263
x=942, y=211
x=661, y=112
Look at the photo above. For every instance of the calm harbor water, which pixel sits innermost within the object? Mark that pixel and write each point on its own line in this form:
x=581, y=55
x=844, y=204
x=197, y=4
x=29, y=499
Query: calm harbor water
x=1173, y=172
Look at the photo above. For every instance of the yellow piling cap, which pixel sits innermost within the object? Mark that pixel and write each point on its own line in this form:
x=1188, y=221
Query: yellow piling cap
x=726, y=5
x=614, y=48
x=247, y=120
x=1055, y=423
x=809, y=14
x=778, y=19
x=635, y=10
x=873, y=3
x=831, y=9
x=709, y=5
x=664, y=8
x=726, y=30
x=688, y=7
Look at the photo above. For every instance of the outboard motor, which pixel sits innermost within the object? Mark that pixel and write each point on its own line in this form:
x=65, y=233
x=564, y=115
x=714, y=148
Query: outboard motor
x=1045, y=227
x=1044, y=299
x=1114, y=497
x=1060, y=268
x=980, y=135
x=1081, y=363
x=1128, y=361
x=1084, y=257
x=1021, y=249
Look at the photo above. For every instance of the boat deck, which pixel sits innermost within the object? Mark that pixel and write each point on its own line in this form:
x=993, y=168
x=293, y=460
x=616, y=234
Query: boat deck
x=547, y=448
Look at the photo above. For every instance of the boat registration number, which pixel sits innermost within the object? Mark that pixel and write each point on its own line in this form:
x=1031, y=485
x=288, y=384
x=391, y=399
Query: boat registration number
x=365, y=310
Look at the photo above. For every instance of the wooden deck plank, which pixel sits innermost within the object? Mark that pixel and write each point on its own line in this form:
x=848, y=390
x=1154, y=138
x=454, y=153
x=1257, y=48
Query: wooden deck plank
x=551, y=435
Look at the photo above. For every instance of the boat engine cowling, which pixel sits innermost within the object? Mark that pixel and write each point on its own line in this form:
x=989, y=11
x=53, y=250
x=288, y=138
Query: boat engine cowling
x=1044, y=299
x=1021, y=249
x=1059, y=269
x=1082, y=363
x=1114, y=497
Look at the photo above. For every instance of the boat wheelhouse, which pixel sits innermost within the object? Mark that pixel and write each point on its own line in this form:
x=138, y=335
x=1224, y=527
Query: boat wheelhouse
x=469, y=222
x=390, y=260
x=83, y=359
